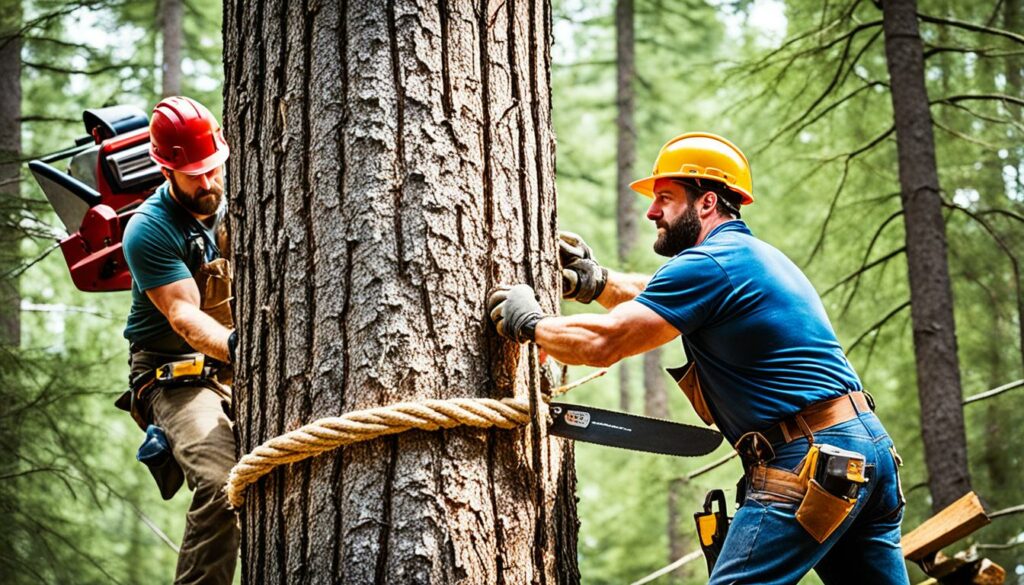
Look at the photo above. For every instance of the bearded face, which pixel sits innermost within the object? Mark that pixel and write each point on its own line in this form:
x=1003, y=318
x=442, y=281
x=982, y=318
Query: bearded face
x=681, y=234
x=196, y=198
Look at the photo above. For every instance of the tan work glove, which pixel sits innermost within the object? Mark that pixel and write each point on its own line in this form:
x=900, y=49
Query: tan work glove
x=583, y=278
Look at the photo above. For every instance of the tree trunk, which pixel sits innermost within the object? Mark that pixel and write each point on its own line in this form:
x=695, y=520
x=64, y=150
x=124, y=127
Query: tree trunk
x=931, y=310
x=655, y=388
x=626, y=128
x=678, y=540
x=10, y=169
x=625, y=225
x=1015, y=87
x=171, y=12
x=391, y=162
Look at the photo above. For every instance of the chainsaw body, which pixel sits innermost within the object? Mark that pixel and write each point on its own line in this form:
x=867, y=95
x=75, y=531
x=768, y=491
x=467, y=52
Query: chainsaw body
x=109, y=173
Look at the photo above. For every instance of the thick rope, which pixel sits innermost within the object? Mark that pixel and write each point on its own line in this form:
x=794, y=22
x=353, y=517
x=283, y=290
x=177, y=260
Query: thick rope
x=361, y=425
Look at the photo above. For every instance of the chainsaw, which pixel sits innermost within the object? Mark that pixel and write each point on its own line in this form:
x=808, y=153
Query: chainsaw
x=108, y=174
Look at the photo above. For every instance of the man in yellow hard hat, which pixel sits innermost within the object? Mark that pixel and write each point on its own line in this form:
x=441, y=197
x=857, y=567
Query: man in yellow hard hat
x=821, y=482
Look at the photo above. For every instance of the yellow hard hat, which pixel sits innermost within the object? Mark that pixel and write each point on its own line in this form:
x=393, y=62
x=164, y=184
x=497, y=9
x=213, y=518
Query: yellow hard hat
x=701, y=155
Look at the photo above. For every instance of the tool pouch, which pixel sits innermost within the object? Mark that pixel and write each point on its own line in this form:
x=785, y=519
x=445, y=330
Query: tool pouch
x=821, y=513
x=155, y=453
x=214, y=282
x=712, y=527
x=686, y=378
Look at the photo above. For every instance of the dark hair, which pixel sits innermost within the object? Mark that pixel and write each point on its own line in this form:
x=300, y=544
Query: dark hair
x=728, y=200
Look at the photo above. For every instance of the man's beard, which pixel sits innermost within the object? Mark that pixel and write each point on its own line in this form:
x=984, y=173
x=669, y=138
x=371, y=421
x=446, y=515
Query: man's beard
x=679, y=235
x=202, y=202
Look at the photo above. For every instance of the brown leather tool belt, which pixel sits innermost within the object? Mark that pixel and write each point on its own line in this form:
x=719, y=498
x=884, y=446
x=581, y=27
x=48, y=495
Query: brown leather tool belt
x=818, y=417
x=780, y=485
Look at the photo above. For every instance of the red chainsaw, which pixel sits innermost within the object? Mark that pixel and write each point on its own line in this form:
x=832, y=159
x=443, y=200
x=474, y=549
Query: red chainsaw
x=109, y=173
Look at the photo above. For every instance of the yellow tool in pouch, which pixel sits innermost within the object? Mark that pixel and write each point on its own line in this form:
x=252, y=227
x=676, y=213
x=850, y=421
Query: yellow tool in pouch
x=712, y=527
x=189, y=368
x=833, y=477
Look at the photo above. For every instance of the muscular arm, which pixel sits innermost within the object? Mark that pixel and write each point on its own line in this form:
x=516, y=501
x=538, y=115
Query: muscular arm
x=621, y=287
x=179, y=302
x=601, y=340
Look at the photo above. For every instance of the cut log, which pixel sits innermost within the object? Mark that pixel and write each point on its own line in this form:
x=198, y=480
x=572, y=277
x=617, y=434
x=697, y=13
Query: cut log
x=954, y=522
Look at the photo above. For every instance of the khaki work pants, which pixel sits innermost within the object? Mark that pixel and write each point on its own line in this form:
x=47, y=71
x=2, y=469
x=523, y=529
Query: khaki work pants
x=203, y=442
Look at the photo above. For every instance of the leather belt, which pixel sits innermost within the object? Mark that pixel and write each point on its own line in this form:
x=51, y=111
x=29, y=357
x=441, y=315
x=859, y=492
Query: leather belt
x=819, y=416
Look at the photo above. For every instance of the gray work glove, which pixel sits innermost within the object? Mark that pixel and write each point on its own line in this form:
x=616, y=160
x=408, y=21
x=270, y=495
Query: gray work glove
x=583, y=278
x=515, y=311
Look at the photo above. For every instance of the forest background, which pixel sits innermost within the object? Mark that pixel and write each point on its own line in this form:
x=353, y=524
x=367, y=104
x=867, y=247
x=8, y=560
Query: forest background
x=801, y=86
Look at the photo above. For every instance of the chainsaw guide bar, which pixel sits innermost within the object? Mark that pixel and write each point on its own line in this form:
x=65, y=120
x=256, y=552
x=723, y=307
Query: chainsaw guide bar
x=630, y=431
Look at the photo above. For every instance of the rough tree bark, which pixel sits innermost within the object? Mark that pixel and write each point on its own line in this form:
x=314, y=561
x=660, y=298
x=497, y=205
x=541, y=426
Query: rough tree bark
x=172, y=33
x=391, y=162
x=625, y=156
x=10, y=168
x=931, y=309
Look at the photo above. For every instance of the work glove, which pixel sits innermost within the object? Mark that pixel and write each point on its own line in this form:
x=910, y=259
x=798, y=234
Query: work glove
x=571, y=247
x=583, y=278
x=515, y=312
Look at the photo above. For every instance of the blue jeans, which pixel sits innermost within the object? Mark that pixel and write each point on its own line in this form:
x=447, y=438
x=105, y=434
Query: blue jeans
x=766, y=545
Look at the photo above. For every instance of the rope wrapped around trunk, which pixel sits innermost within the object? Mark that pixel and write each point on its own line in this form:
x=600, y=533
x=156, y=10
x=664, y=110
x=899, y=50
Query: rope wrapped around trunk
x=361, y=425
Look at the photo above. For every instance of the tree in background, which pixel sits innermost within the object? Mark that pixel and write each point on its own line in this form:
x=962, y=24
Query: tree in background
x=625, y=157
x=931, y=295
x=171, y=35
x=391, y=162
x=76, y=506
x=10, y=173
x=831, y=151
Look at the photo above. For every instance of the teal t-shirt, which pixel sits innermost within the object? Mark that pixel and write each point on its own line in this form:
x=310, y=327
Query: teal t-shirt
x=756, y=327
x=163, y=243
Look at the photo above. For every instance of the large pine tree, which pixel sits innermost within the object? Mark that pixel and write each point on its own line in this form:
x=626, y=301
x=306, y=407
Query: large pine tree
x=392, y=161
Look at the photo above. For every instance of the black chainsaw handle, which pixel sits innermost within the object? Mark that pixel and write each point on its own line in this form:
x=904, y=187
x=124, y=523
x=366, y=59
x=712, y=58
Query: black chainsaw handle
x=77, y=188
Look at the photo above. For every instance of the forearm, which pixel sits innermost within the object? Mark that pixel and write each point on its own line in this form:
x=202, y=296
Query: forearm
x=622, y=287
x=585, y=339
x=201, y=331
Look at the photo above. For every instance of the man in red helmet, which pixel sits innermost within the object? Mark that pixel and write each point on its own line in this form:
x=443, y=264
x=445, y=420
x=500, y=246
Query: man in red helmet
x=181, y=332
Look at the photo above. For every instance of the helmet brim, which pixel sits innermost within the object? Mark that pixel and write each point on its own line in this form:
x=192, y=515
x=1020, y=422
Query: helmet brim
x=200, y=167
x=645, y=186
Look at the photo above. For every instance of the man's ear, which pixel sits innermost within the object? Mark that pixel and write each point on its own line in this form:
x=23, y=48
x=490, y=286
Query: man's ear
x=709, y=202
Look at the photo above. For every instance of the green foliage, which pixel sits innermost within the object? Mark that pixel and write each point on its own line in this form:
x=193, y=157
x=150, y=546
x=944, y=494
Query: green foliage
x=75, y=505
x=72, y=500
x=805, y=108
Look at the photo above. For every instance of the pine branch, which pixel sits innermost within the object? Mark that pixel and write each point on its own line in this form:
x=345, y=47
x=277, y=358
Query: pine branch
x=877, y=325
x=842, y=182
x=1014, y=264
x=972, y=27
x=993, y=392
x=819, y=115
x=18, y=270
x=987, y=52
x=999, y=97
x=73, y=71
x=1018, y=509
x=867, y=254
x=962, y=136
x=60, y=119
x=705, y=469
x=865, y=268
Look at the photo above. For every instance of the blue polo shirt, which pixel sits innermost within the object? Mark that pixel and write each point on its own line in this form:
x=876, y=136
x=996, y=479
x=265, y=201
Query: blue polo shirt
x=763, y=345
x=163, y=243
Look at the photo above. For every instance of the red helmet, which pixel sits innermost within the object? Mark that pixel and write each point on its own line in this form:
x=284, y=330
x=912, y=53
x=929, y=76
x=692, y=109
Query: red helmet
x=185, y=137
